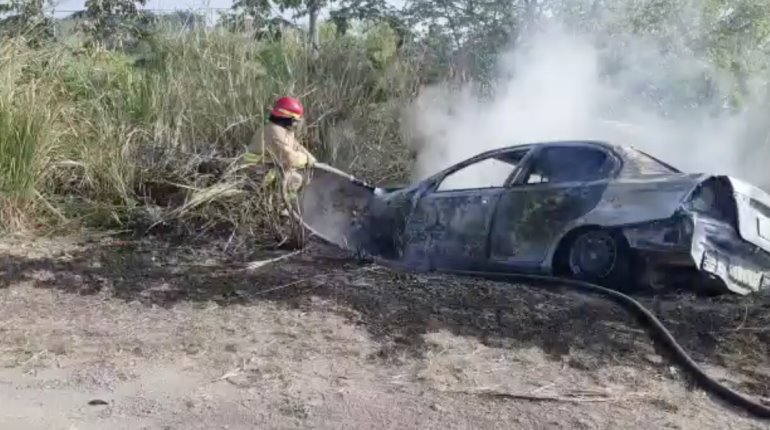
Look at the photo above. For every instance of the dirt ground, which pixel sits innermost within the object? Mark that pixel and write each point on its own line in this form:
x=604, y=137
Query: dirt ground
x=145, y=335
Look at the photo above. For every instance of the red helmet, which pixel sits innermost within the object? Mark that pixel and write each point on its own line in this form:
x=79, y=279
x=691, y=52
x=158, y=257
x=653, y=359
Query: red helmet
x=288, y=107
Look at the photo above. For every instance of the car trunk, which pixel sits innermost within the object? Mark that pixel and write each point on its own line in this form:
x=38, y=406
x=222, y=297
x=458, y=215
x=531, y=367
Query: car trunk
x=753, y=207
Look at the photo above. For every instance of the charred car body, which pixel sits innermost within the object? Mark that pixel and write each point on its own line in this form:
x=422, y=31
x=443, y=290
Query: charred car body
x=591, y=210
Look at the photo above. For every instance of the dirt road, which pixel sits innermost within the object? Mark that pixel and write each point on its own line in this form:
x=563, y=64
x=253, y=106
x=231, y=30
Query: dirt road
x=114, y=335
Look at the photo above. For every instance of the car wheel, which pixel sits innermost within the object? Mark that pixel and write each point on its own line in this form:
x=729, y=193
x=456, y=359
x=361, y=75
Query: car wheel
x=602, y=257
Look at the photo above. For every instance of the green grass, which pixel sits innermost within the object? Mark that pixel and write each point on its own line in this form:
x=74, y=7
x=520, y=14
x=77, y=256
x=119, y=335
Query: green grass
x=110, y=140
x=28, y=139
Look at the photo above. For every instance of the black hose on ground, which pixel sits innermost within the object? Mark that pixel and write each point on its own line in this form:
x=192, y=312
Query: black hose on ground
x=650, y=321
x=708, y=383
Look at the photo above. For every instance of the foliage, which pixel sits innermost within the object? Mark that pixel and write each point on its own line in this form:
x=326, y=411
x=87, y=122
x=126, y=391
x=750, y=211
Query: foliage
x=26, y=19
x=112, y=21
x=255, y=12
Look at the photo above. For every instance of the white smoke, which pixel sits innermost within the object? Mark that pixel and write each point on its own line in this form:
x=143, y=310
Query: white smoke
x=553, y=88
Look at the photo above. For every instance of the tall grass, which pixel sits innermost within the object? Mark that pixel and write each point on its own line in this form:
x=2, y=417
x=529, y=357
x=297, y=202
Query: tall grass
x=28, y=139
x=152, y=139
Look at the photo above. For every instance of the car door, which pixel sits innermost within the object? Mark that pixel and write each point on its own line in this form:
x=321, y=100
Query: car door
x=449, y=225
x=558, y=184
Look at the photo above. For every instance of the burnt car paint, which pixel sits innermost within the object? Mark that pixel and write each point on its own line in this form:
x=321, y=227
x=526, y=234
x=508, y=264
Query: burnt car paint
x=705, y=224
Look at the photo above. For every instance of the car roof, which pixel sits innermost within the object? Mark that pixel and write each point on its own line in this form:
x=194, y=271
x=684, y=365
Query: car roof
x=600, y=143
x=627, y=153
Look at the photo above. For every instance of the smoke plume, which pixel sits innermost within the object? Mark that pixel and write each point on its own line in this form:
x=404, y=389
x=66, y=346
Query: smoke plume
x=558, y=84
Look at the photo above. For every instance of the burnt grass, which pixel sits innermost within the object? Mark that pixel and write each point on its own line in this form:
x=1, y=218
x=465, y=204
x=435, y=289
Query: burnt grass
x=585, y=332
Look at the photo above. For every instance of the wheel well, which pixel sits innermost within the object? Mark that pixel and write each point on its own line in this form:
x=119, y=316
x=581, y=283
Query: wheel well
x=560, y=263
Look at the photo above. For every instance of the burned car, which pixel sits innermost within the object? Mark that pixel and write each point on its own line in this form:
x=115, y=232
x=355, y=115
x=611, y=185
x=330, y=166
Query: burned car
x=595, y=211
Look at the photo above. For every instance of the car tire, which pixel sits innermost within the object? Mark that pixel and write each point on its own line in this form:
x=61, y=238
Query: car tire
x=600, y=256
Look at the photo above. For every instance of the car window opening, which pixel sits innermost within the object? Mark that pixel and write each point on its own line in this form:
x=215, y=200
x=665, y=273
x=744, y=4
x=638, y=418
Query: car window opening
x=558, y=165
x=490, y=172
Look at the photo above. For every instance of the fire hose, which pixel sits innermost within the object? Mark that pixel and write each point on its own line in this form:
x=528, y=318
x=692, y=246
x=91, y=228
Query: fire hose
x=654, y=325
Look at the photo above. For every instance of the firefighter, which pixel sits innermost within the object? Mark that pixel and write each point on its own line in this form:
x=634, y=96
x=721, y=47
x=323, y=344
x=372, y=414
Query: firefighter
x=277, y=144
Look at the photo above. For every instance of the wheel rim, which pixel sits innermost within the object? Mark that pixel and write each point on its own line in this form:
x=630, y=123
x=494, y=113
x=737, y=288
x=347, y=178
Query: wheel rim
x=593, y=254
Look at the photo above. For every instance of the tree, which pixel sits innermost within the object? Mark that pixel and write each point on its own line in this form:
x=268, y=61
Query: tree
x=469, y=33
x=112, y=21
x=27, y=18
x=311, y=9
x=740, y=36
x=362, y=10
x=243, y=13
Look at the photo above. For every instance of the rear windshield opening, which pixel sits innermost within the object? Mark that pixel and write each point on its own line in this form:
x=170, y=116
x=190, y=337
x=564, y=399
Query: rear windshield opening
x=645, y=164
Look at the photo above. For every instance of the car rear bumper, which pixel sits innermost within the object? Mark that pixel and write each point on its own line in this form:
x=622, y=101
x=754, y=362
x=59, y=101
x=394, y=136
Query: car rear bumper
x=719, y=252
